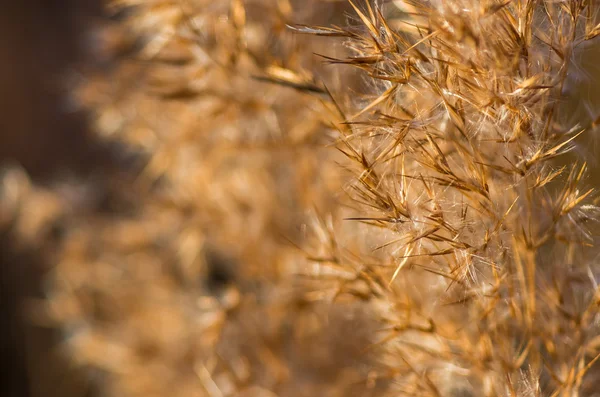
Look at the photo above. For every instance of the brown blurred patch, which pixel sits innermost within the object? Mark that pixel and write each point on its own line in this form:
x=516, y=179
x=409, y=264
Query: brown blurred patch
x=42, y=43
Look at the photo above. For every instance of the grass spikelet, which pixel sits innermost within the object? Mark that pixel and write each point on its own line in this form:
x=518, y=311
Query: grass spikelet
x=455, y=179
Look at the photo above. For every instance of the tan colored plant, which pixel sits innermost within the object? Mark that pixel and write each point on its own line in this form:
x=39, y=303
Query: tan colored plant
x=460, y=261
x=481, y=258
x=180, y=279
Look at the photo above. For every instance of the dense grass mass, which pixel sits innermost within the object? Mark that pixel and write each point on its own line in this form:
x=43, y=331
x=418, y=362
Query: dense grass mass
x=332, y=198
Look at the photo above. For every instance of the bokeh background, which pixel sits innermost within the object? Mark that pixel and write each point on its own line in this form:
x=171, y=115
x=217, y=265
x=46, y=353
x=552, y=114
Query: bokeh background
x=43, y=45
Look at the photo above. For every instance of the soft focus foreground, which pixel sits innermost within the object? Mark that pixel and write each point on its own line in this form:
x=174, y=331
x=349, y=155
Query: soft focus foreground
x=406, y=213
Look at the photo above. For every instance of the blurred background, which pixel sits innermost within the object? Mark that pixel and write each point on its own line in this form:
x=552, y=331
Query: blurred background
x=43, y=42
x=48, y=51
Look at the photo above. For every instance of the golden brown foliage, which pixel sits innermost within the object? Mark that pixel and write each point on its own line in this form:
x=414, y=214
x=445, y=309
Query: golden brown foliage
x=461, y=259
x=485, y=274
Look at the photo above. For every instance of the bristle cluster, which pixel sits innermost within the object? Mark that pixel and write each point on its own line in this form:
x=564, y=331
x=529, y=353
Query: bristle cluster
x=485, y=271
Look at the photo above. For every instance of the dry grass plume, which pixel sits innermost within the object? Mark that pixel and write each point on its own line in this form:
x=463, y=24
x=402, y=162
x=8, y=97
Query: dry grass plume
x=331, y=198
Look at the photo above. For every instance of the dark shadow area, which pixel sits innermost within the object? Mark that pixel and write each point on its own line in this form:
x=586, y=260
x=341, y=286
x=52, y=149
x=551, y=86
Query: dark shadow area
x=43, y=43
